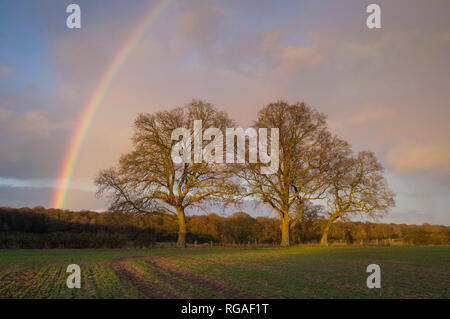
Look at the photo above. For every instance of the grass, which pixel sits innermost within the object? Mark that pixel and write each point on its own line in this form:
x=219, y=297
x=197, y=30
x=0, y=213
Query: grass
x=301, y=272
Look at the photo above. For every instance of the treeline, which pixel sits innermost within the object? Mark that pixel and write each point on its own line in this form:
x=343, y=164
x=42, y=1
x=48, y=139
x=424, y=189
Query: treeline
x=53, y=228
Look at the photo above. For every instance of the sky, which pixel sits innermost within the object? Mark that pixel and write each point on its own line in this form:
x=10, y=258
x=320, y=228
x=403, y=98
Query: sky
x=385, y=90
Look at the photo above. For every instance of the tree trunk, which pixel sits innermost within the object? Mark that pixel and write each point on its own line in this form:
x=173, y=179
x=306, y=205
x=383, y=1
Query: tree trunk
x=324, y=240
x=181, y=228
x=285, y=223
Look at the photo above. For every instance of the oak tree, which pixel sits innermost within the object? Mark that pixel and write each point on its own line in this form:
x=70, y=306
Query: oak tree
x=147, y=180
x=357, y=186
x=303, y=135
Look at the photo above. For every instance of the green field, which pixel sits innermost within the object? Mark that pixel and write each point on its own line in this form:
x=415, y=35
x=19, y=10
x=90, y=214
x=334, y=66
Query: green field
x=303, y=272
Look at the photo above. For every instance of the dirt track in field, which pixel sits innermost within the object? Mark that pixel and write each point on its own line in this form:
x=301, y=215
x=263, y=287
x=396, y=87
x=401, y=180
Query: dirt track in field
x=144, y=284
x=157, y=277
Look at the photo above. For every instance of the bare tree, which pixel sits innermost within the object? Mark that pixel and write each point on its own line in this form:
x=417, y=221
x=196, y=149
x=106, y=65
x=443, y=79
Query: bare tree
x=148, y=181
x=357, y=186
x=304, y=220
x=303, y=137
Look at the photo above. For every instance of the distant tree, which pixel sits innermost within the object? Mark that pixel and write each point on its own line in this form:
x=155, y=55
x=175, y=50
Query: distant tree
x=240, y=227
x=360, y=233
x=204, y=227
x=269, y=230
x=54, y=228
x=357, y=186
x=304, y=223
x=148, y=181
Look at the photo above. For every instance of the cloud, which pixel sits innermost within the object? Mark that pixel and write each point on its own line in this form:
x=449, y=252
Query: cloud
x=36, y=123
x=294, y=59
x=200, y=25
x=412, y=156
x=411, y=140
x=5, y=114
x=33, y=196
x=368, y=114
x=290, y=58
x=271, y=41
x=5, y=70
x=31, y=144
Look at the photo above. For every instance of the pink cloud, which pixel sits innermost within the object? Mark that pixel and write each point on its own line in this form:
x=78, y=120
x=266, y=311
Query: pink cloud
x=410, y=156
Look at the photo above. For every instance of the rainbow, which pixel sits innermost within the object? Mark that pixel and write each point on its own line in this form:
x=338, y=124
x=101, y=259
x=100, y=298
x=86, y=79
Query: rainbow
x=96, y=99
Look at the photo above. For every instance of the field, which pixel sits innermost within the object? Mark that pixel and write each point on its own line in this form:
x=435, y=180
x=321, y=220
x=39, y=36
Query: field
x=301, y=272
